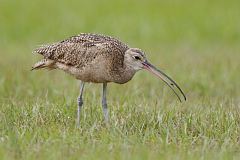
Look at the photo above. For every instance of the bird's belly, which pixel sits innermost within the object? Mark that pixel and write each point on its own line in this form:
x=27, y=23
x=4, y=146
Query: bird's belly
x=88, y=74
x=97, y=73
x=91, y=77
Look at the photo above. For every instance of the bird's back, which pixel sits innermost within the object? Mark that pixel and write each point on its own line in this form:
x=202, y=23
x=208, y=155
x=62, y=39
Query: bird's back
x=87, y=56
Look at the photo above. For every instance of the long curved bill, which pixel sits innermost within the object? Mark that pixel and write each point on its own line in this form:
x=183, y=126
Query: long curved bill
x=171, y=83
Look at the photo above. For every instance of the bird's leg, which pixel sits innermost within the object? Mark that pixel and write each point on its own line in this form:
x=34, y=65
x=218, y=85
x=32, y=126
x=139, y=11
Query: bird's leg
x=80, y=103
x=104, y=102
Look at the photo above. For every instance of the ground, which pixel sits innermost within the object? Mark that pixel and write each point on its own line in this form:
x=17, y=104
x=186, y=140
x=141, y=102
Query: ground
x=195, y=42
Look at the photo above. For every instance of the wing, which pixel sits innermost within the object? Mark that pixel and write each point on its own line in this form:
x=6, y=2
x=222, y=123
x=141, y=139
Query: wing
x=94, y=38
x=79, y=50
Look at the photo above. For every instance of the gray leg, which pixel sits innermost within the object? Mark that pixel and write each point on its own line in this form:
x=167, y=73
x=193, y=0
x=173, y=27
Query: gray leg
x=104, y=102
x=80, y=103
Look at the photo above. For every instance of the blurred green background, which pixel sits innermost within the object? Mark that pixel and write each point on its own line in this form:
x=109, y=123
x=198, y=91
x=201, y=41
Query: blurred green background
x=153, y=23
x=196, y=42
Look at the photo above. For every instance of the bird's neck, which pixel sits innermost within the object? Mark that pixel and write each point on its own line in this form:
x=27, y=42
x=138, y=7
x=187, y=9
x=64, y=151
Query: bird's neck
x=126, y=74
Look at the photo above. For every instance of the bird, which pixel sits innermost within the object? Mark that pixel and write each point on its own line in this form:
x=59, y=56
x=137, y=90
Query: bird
x=98, y=58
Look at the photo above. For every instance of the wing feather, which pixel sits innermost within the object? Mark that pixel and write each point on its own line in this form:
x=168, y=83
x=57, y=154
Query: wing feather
x=79, y=50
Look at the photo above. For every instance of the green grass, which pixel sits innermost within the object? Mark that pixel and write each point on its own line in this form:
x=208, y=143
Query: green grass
x=196, y=42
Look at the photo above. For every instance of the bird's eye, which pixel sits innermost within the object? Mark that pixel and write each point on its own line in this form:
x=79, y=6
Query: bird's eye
x=137, y=58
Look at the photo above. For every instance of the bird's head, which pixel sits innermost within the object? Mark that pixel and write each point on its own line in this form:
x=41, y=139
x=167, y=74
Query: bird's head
x=135, y=59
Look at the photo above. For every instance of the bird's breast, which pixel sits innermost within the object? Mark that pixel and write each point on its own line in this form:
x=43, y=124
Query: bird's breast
x=99, y=71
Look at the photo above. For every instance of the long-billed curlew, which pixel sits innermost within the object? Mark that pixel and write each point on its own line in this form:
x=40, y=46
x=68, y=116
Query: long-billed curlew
x=98, y=59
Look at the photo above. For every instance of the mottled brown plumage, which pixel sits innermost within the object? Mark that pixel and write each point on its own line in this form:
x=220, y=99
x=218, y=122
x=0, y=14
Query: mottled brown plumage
x=89, y=57
x=99, y=59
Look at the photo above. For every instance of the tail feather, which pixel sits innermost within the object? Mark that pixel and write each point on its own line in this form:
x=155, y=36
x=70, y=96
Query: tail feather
x=43, y=64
